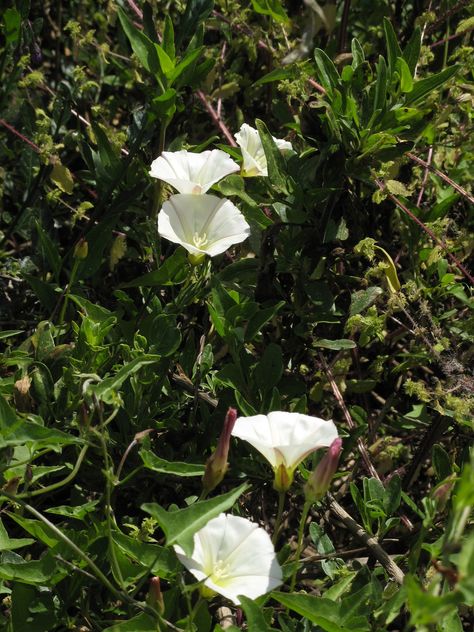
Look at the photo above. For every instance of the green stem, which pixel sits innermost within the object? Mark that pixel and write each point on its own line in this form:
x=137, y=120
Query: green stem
x=65, y=481
x=72, y=278
x=159, y=183
x=304, y=515
x=83, y=556
x=109, y=515
x=281, y=505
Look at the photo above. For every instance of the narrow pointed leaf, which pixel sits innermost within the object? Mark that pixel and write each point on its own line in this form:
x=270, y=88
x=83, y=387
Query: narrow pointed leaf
x=425, y=86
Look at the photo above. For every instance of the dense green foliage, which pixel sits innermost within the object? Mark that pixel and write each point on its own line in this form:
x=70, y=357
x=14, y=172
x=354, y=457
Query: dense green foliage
x=349, y=301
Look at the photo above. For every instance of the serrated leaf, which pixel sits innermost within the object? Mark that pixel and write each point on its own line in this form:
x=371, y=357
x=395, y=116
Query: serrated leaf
x=397, y=188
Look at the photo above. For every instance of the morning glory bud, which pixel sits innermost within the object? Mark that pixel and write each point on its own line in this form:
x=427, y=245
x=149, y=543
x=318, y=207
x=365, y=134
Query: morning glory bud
x=319, y=480
x=155, y=596
x=216, y=465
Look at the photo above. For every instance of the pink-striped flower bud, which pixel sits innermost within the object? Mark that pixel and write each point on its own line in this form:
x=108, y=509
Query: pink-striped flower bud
x=155, y=596
x=216, y=465
x=320, y=479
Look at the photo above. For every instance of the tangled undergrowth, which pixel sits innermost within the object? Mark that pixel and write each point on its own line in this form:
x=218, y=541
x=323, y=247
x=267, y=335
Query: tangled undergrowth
x=224, y=224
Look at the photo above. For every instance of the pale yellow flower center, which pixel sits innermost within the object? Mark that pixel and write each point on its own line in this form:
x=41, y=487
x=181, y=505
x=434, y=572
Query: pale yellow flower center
x=220, y=571
x=199, y=240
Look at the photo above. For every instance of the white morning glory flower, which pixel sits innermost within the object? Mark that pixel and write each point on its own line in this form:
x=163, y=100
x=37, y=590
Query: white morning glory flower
x=233, y=557
x=285, y=439
x=253, y=154
x=203, y=224
x=192, y=173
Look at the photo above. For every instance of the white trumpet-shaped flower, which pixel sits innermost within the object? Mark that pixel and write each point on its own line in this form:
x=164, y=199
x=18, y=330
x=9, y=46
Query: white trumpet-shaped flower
x=233, y=556
x=285, y=439
x=193, y=173
x=253, y=154
x=203, y=224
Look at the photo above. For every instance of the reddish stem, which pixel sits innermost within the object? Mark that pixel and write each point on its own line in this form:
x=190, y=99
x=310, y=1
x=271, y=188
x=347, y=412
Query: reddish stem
x=429, y=232
x=23, y=138
x=441, y=175
x=216, y=119
x=138, y=12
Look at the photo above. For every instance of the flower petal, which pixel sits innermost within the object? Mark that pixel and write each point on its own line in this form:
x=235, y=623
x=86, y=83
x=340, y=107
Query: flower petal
x=193, y=173
x=284, y=437
x=202, y=223
x=257, y=431
x=234, y=557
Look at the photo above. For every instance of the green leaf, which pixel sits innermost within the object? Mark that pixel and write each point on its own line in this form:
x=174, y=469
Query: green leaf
x=79, y=512
x=114, y=382
x=406, y=81
x=181, y=525
x=269, y=370
x=235, y=185
x=390, y=270
x=175, y=270
x=273, y=8
x=431, y=83
x=322, y=612
x=397, y=188
x=15, y=568
x=411, y=52
x=159, y=560
x=255, y=620
x=151, y=56
x=335, y=345
x=275, y=161
x=426, y=608
x=196, y=12
x=327, y=71
x=9, y=544
x=258, y=320
x=153, y=462
x=441, y=462
x=164, y=106
x=12, y=21
x=393, y=49
x=364, y=298
x=358, y=56
x=168, y=38
x=9, y=333
x=380, y=95
x=50, y=250
x=185, y=64
x=392, y=495
x=18, y=431
x=62, y=178
x=276, y=75
x=141, y=623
